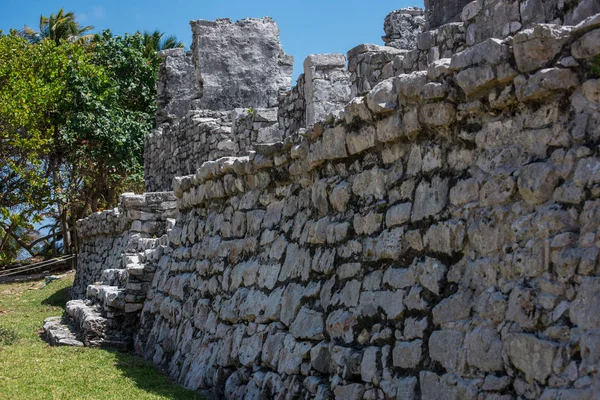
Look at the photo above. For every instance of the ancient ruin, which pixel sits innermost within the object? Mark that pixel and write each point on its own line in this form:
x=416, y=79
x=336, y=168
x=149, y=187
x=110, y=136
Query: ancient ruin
x=417, y=221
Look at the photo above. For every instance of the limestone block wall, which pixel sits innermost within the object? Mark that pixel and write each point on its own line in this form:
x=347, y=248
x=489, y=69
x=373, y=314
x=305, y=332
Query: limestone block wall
x=370, y=64
x=240, y=64
x=255, y=126
x=177, y=88
x=402, y=26
x=438, y=240
x=451, y=27
x=292, y=108
x=105, y=236
x=181, y=147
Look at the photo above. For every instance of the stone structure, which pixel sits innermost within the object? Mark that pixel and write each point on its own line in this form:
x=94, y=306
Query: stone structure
x=177, y=87
x=402, y=27
x=435, y=237
x=240, y=64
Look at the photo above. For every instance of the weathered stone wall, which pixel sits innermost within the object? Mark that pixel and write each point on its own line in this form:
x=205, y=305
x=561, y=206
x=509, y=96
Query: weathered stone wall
x=181, y=147
x=255, y=126
x=105, y=236
x=438, y=240
x=177, y=88
x=326, y=87
x=292, y=108
x=370, y=64
x=240, y=64
x=402, y=26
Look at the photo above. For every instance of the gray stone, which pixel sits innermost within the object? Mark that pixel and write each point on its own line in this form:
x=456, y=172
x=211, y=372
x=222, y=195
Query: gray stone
x=308, y=325
x=402, y=26
x=587, y=46
x=534, y=48
x=584, y=309
x=484, y=350
x=531, y=355
x=446, y=347
x=239, y=64
x=407, y=355
x=537, y=182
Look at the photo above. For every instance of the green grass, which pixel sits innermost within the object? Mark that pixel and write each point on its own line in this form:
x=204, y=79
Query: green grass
x=30, y=369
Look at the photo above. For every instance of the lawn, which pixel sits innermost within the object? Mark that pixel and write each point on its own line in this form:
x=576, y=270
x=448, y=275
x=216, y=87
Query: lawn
x=30, y=369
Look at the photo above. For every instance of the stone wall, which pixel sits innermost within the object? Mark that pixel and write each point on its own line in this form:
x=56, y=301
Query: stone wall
x=104, y=237
x=177, y=88
x=240, y=64
x=292, y=109
x=438, y=240
x=402, y=26
x=181, y=147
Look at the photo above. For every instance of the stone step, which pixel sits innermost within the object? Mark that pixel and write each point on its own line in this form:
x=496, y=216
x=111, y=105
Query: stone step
x=86, y=319
x=92, y=328
x=57, y=333
x=108, y=297
x=114, y=277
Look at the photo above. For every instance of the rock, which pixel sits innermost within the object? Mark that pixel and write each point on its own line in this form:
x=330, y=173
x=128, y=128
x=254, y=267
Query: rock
x=536, y=47
x=531, y=355
x=491, y=52
x=407, y=355
x=544, y=83
x=537, y=182
x=339, y=197
x=402, y=26
x=446, y=347
x=239, y=64
x=583, y=310
x=383, y=98
x=437, y=114
x=484, y=350
x=476, y=80
x=308, y=325
x=320, y=358
x=587, y=46
x=430, y=274
x=176, y=87
x=327, y=86
x=430, y=198
x=353, y=391
x=398, y=215
x=368, y=369
x=453, y=309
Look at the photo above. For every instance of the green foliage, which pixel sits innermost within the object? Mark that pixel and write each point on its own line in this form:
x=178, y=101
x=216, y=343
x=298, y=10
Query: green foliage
x=57, y=27
x=156, y=41
x=74, y=111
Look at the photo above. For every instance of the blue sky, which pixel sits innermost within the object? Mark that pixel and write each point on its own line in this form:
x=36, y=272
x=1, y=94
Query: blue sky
x=307, y=26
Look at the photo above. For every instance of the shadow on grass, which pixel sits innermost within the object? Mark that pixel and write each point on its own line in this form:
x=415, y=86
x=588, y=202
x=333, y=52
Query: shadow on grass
x=58, y=298
x=152, y=380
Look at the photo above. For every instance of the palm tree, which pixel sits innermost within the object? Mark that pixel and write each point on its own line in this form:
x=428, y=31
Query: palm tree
x=58, y=27
x=155, y=41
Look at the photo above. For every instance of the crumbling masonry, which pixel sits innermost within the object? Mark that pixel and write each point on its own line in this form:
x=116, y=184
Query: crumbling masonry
x=419, y=221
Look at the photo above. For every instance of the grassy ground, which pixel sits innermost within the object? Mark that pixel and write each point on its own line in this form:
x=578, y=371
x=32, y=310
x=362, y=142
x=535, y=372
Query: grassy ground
x=30, y=369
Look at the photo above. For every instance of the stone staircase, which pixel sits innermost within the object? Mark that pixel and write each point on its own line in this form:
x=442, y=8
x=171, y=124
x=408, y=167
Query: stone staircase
x=108, y=315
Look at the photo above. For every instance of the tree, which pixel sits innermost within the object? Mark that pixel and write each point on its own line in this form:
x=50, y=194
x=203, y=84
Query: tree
x=156, y=41
x=72, y=124
x=58, y=27
x=32, y=87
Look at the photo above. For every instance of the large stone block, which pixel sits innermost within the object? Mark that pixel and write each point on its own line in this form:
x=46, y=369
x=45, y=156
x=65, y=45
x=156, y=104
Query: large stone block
x=239, y=64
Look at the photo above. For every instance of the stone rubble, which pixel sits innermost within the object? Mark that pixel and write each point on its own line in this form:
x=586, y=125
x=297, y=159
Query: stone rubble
x=435, y=237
